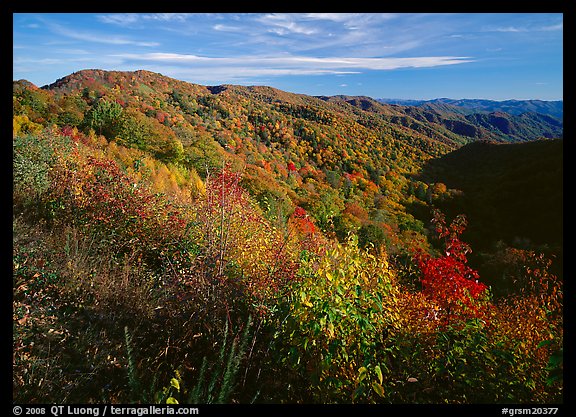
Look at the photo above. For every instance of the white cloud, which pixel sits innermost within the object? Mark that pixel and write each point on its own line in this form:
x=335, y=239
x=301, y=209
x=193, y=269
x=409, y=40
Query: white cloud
x=285, y=24
x=98, y=37
x=227, y=69
x=354, y=20
x=119, y=19
x=335, y=17
x=167, y=17
x=129, y=19
x=527, y=28
x=226, y=28
x=559, y=26
x=295, y=61
x=507, y=29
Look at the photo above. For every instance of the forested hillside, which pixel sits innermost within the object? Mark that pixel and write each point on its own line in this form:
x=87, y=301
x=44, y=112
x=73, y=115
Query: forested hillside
x=512, y=196
x=180, y=242
x=521, y=185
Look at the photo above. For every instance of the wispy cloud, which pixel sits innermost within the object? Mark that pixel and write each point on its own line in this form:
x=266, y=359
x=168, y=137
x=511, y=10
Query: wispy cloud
x=303, y=61
x=335, y=17
x=226, y=28
x=255, y=66
x=97, y=37
x=286, y=24
x=507, y=29
x=559, y=26
x=124, y=19
x=527, y=28
x=322, y=34
x=70, y=59
x=128, y=19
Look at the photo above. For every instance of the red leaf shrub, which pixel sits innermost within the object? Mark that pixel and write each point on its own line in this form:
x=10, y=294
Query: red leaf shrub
x=447, y=280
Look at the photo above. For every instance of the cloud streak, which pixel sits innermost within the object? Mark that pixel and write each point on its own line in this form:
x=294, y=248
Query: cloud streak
x=129, y=19
x=285, y=24
x=235, y=68
x=515, y=29
x=95, y=37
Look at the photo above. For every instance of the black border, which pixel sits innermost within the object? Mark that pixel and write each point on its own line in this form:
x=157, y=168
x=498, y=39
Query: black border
x=8, y=7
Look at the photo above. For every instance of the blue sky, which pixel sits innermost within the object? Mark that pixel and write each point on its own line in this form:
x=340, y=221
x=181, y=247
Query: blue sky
x=382, y=55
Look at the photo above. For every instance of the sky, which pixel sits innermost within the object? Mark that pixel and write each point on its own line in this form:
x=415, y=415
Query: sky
x=496, y=56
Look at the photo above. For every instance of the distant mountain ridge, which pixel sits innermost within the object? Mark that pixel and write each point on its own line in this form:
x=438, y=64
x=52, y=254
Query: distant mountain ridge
x=441, y=116
x=467, y=106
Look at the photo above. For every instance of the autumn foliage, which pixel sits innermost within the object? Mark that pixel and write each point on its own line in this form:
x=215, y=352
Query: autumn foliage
x=447, y=280
x=246, y=245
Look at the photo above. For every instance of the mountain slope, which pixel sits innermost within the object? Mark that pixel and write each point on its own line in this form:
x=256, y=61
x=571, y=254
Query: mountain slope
x=511, y=192
x=348, y=161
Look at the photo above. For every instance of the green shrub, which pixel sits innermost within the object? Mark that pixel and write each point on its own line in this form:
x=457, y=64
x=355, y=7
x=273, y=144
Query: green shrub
x=33, y=158
x=339, y=318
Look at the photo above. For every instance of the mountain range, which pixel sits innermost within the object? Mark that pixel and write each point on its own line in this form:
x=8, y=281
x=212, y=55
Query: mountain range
x=468, y=106
x=350, y=161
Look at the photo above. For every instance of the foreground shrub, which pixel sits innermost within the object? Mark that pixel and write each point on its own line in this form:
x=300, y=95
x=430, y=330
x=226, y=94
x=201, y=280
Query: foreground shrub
x=530, y=325
x=337, y=323
x=447, y=280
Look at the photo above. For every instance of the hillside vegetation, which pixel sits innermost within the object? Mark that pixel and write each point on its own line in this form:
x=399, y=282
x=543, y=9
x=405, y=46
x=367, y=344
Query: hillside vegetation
x=228, y=244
